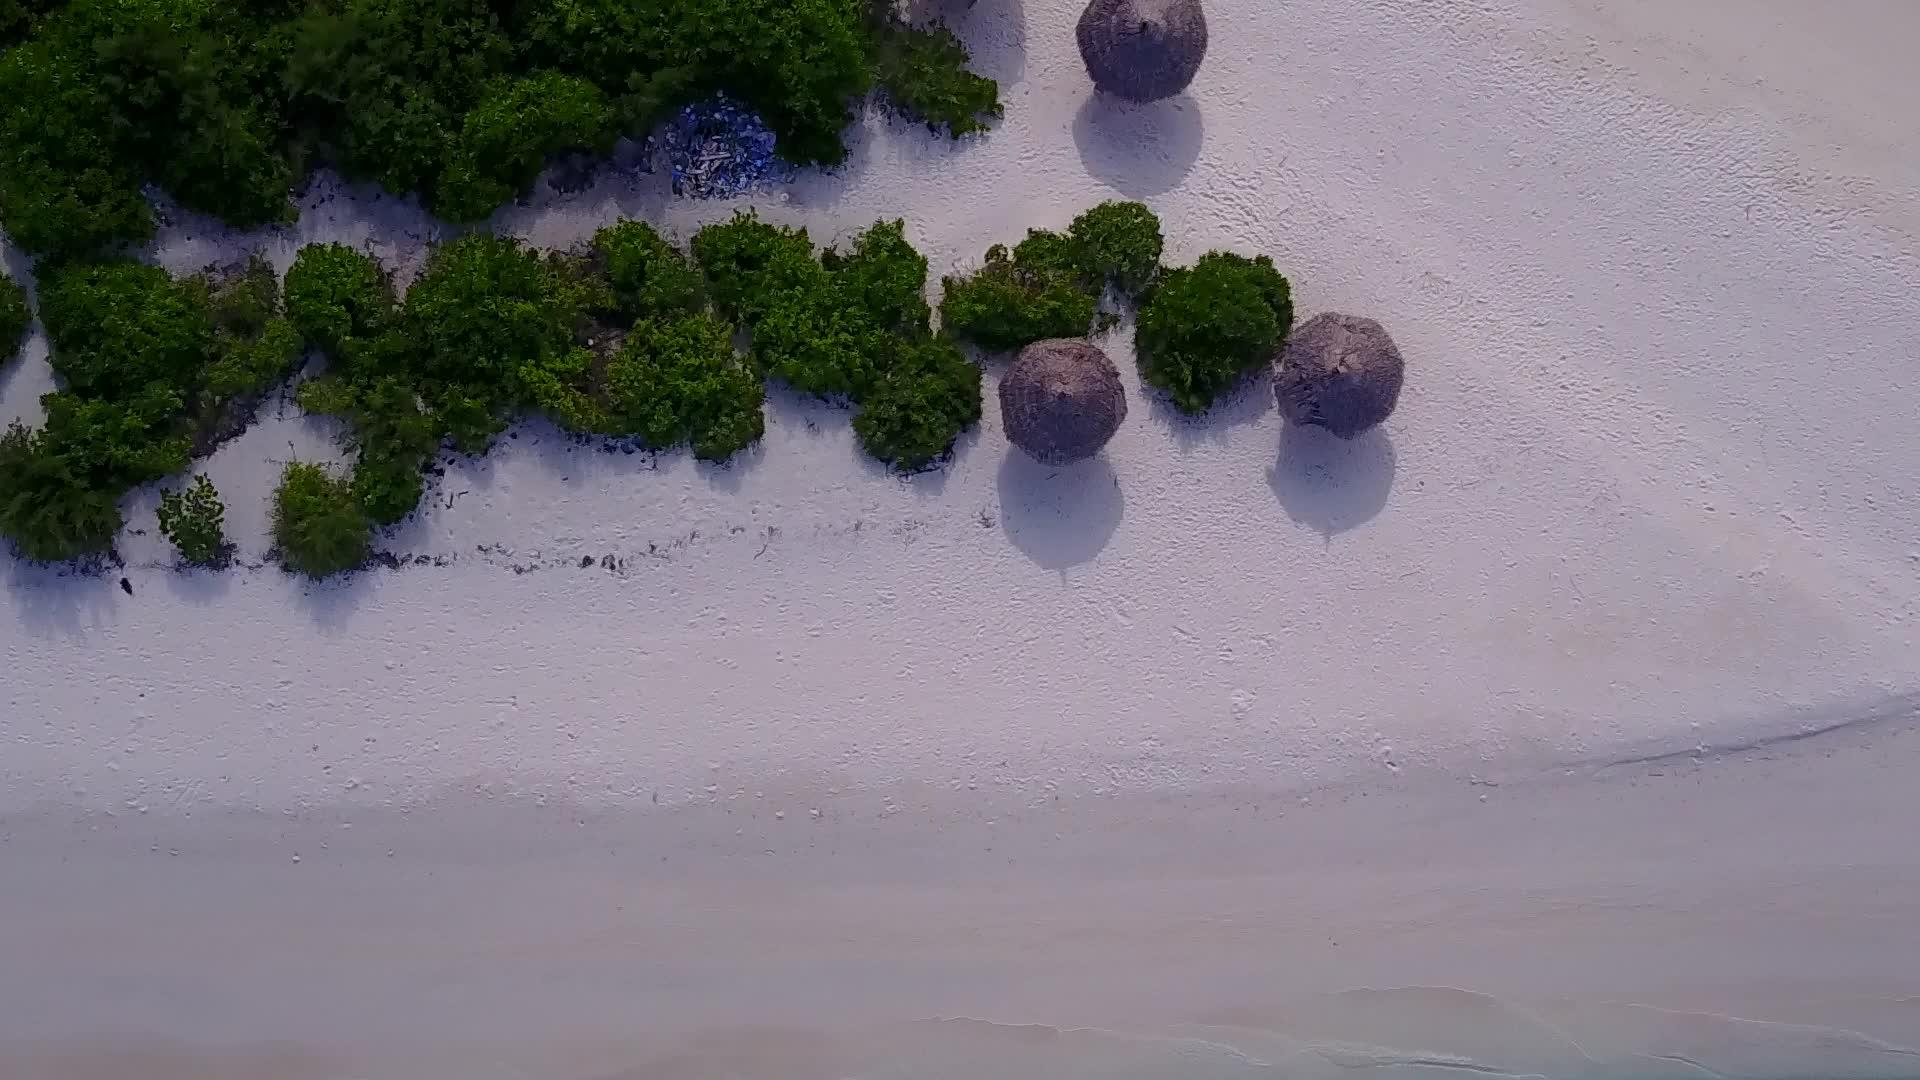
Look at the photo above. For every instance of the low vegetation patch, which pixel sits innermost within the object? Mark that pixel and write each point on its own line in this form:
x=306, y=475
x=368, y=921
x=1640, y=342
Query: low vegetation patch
x=1051, y=284
x=850, y=325
x=153, y=371
x=194, y=522
x=1204, y=327
x=629, y=338
x=319, y=526
x=225, y=106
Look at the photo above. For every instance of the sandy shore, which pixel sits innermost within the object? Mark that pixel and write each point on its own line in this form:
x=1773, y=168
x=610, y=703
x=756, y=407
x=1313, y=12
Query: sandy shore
x=1517, y=697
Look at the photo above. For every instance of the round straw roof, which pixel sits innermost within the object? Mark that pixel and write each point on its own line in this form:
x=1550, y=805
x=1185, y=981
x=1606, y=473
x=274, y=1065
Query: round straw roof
x=1143, y=50
x=1339, y=372
x=1061, y=400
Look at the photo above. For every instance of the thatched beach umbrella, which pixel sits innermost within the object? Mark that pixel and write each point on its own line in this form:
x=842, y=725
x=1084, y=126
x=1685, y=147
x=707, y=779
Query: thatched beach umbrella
x=1339, y=372
x=1062, y=400
x=1143, y=50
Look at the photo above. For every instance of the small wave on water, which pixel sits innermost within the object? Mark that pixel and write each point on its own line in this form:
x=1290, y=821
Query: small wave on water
x=1404, y=1034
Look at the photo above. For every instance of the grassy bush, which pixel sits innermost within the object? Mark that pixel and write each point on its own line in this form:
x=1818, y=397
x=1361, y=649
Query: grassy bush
x=14, y=318
x=318, y=523
x=912, y=417
x=1117, y=244
x=117, y=328
x=255, y=347
x=837, y=332
x=1206, y=326
x=223, y=106
x=649, y=277
x=1050, y=284
x=193, y=521
x=922, y=73
x=518, y=124
x=338, y=298
x=668, y=383
x=750, y=265
x=484, y=309
x=50, y=510
x=1019, y=297
x=852, y=324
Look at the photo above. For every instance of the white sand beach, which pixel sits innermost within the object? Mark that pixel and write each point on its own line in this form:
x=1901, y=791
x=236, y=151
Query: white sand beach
x=1565, y=726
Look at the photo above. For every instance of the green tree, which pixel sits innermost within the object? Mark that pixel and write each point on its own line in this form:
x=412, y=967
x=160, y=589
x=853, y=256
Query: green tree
x=1019, y=297
x=318, y=523
x=118, y=327
x=193, y=521
x=1117, y=244
x=518, y=124
x=338, y=298
x=922, y=73
x=650, y=278
x=911, y=417
x=1204, y=327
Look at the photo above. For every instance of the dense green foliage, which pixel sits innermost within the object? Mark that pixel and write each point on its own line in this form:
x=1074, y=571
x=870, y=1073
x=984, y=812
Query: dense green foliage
x=14, y=317
x=650, y=278
x=1117, y=244
x=193, y=521
x=1050, y=284
x=922, y=73
x=1206, y=326
x=1018, y=297
x=912, y=416
x=517, y=125
x=851, y=324
x=223, y=106
x=668, y=383
x=118, y=328
x=318, y=523
x=339, y=299
x=153, y=370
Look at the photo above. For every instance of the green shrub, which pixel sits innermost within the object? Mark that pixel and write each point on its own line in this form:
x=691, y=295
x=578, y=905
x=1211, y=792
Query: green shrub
x=383, y=85
x=244, y=368
x=750, y=265
x=67, y=189
x=649, y=277
x=484, y=308
x=224, y=105
x=668, y=383
x=507, y=139
x=193, y=520
x=1019, y=297
x=883, y=278
x=912, y=416
x=255, y=347
x=49, y=510
x=337, y=297
x=1117, y=244
x=922, y=74
x=799, y=63
x=681, y=382
x=392, y=435
x=1206, y=326
x=318, y=523
x=14, y=318
x=388, y=483
x=117, y=327
x=242, y=301
x=116, y=445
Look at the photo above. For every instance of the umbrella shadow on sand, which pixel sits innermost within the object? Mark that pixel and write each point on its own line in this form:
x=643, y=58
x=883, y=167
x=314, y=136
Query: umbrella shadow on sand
x=1139, y=150
x=1331, y=484
x=1059, y=516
